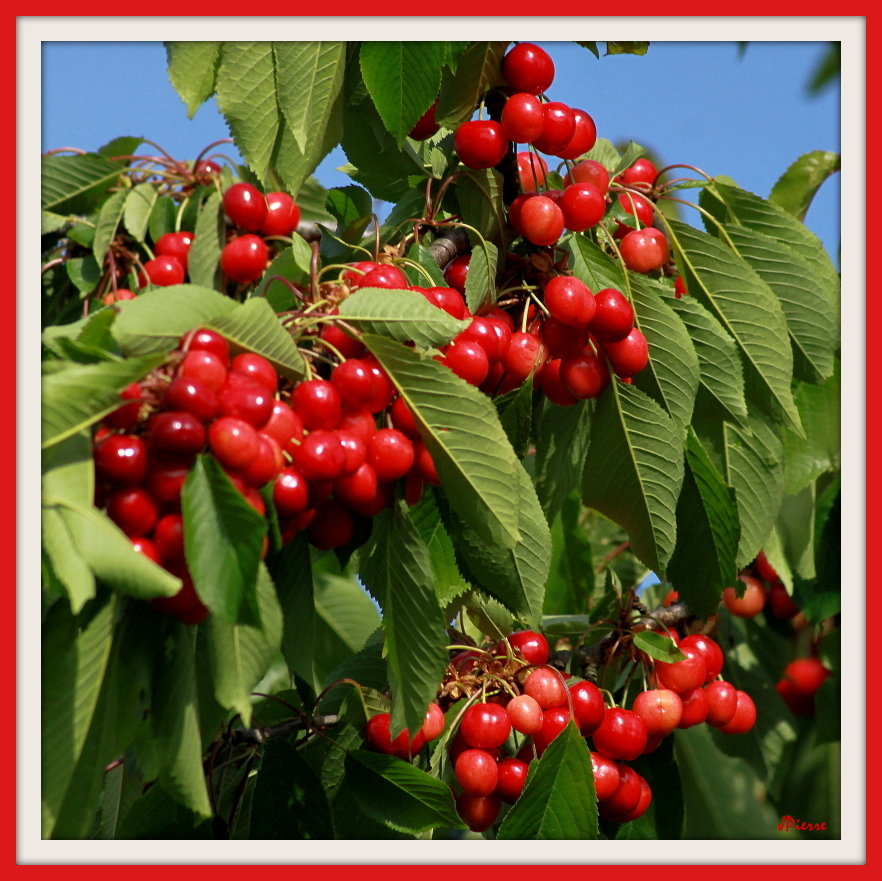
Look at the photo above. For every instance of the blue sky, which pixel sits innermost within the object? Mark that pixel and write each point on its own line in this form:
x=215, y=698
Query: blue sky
x=699, y=103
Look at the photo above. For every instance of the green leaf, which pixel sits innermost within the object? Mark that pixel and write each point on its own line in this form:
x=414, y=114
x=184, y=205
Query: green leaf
x=634, y=471
x=515, y=410
x=209, y=238
x=659, y=646
x=448, y=580
x=571, y=577
x=591, y=47
x=291, y=264
x=348, y=204
x=50, y=223
x=309, y=76
x=632, y=47
x=241, y=654
x=422, y=255
x=479, y=193
x=156, y=815
x=402, y=79
x=819, y=410
x=84, y=393
x=396, y=568
x=108, y=221
x=402, y=315
x=672, y=375
x=156, y=320
x=396, y=793
x=558, y=801
x=481, y=279
x=478, y=69
x=796, y=188
x=192, y=69
x=74, y=659
x=381, y=166
x=460, y=427
x=748, y=309
x=515, y=576
x=76, y=184
x=564, y=435
x=828, y=69
x=809, y=313
x=666, y=814
x=254, y=327
x=708, y=530
x=730, y=204
x=720, y=392
x=162, y=218
x=795, y=527
x=223, y=537
x=84, y=272
x=140, y=202
x=605, y=152
x=174, y=719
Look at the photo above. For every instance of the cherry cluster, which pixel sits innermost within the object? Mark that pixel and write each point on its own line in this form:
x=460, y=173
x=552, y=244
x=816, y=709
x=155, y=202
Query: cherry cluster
x=525, y=704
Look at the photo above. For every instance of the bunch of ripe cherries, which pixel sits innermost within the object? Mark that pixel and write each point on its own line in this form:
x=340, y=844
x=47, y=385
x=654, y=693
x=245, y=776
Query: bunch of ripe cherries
x=516, y=705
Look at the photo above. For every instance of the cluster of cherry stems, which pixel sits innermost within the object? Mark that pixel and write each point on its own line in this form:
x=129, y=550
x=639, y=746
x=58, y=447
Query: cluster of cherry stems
x=536, y=703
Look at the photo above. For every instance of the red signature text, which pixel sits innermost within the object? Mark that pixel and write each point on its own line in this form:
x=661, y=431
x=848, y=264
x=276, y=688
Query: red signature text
x=787, y=823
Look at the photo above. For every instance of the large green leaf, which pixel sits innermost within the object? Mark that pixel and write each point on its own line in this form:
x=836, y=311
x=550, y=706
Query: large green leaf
x=396, y=568
x=720, y=392
x=809, y=313
x=140, y=202
x=478, y=69
x=672, y=375
x=82, y=394
x=308, y=78
x=254, y=327
x=796, y=188
x=402, y=315
x=558, y=801
x=571, y=576
x=402, y=79
x=731, y=204
x=241, y=654
x=460, y=427
x=479, y=193
x=481, y=279
x=634, y=470
x=73, y=663
x=246, y=95
x=515, y=576
x=448, y=580
x=76, y=184
x=209, y=238
x=564, y=435
x=108, y=222
x=396, y=793
x=748, y=309
x=155, y=320
x=703, y=562
x=223, y=537
x=192, y=68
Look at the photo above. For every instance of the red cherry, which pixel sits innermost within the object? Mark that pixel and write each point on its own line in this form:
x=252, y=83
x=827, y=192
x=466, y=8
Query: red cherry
x=162, y=271
x=332, y=526
x=259, y=369
x=749, y=605
x=525, y=714
x=320, y=456
x=644, y=250
x=765, y=569
x=169, y=538
x=695, y=707
x=244, y=258
x=467, y=360
x=528, y=68
x=134, y=511
x=378, y=735
x=480, y=143
x=384, y=276
x=245, y=205
x=542, y=220
x=626, y=796
x=563, y=339
x=532, y=171
x=126, y=417
x=175, y=431
x=584, y=375
x=522, y=118
x=205, y=340
x=476, y=772
x=233, y=442
x=642, y=171
x=247, y=401
x=358, y=270
x=358, y=488
x=660, y=710
x=744, y=718
x=526, y=353
x=683, y=675
x=403, y=420
x=166, y=479
x=512, y=775
x=390, y=454
x=267, y=464
x=606, y=776
x=588, y=706
x=613, y=316
x=643, y=803
x=709, y=650
x=456, y=271
x=722, y=700
x=345, y=345
x=638, y=207
x=434, y=724
x=426, y=125
x=354, y=451
x=185, y=605
x=206, y=169
x=554, y=720
x=802, y=678
x=621, y=735
x=680, y=287
x=558, y=128
x=290, y=493
x=283, y=424
x=354, y=382
x=318, y=404
x=479, y=812
x=175, y=244
x=424, y=464
x=584, y=136
x=282, y=215
x=192, y=395
x=780, y=602
x=630, y=355
x=546, y=687
x=583, y=206
x=569, y=300
x=117, y=296
x=589, y=171
x=359, y=421
x=553, y=387
x=204, y=366
x=531, y=645
x=485, y=725
x=147, y=548
x=450, y=300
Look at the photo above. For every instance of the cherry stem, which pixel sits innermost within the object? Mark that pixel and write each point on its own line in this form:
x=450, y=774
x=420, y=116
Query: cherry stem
x=704, y=213
x=210, y=146
x=288, y=284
